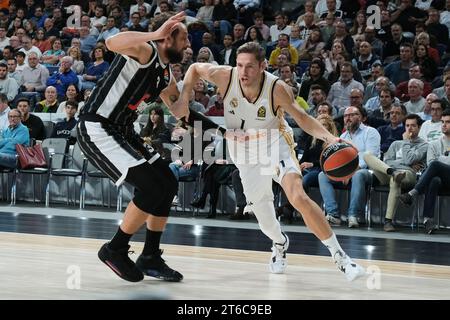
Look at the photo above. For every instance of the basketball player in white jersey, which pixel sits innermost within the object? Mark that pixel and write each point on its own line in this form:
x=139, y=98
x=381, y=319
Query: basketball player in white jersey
x=255, y=99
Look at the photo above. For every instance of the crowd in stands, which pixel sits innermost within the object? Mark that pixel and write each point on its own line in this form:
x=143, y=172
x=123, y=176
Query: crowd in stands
x=371, y=84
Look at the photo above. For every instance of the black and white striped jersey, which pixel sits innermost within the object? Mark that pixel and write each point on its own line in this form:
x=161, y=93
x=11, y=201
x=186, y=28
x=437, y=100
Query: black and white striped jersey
x=126, y=84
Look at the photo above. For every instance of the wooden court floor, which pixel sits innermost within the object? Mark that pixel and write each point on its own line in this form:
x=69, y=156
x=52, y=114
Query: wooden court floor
x=39, y=266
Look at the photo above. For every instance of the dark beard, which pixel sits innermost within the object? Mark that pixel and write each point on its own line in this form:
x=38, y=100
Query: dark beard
x=173, y=55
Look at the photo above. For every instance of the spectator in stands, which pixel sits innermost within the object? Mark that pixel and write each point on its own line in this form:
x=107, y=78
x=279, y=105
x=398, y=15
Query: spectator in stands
x=317, y=98
x=8, y=53
x=315, y=74
x=50, y=29
x=254, y=35
x=65, y=128
x=395, y=129
x=20, y=58
x=392, y=47
x=398, y=71
x=40, y=41
x=28, y=48
x=12, y=72
x=339, y=94
x=15, y=133
x=245, y=10
x=426, y=113
x=445, y=15
x=216, y=109
x=34, y=79
x=415, y=72
x=50, y=103
x=95, y=70
x=283, y=42
x=365, y=139
x=365, y=59
x=416, y=102
x=65, y=76
x=227, y=56
x=309, y=7
x=208, y=42
x=4, y=110
x=383, y=104
x=377, y=44
x=327, y=27
x=4, y=40
x=331, y=57
x=238, y=35
x=187, y=58
x=99, y=19
x=34, y=124
x=201, y=93
x=374, y=102
x=341, y=35
x=424, y=39
x=359, y=24
x=155, y=133
x=435, y=176
x=431, y=129
x=403, y=159
x=109, y=29
x=8, y=86
x=72, y=94
x=322, y=6
x=258, y=18
x=312, y=47
x=53, y=56
x=427, y=64
x=87, y=40
x=435, y=28
x=279, y=27
x=134, y=8
x=407, y=15
x=78, y=64
x=135, y=23
x=241, y=201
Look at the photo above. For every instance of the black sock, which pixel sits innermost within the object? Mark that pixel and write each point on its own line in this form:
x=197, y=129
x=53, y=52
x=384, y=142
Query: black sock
x=152, y=240
x=120, y=240
x=386, y=220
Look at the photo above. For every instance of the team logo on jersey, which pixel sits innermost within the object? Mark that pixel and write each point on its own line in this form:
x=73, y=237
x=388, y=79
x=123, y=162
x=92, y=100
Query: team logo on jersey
x=261, y=112
x=234, y=103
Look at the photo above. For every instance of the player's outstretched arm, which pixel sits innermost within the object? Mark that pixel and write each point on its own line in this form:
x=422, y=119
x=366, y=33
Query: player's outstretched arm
x=219, y=75
x=284, y=98
x=134, y=43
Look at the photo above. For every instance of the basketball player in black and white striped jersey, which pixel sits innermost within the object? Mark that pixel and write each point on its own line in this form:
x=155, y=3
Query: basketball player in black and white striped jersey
x=106, y=136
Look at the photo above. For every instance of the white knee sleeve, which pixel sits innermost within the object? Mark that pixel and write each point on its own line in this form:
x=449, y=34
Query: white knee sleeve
x=265, y=213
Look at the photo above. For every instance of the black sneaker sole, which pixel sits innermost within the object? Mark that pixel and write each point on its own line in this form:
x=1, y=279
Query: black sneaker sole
x=158, y=275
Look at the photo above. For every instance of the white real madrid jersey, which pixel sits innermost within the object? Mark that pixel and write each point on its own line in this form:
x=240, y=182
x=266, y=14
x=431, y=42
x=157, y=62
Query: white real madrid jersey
x=259, y=118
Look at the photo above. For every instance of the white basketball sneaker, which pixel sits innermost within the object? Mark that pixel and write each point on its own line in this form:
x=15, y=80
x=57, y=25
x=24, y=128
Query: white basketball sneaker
x=278, y=261
x=351, y=269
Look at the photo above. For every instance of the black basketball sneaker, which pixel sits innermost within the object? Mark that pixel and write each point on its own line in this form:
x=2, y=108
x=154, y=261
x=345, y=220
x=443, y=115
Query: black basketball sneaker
x=120, y=263
x=155, y=266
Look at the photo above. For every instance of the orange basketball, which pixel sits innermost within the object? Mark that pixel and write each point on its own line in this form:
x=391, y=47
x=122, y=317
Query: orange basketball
x=339, y=161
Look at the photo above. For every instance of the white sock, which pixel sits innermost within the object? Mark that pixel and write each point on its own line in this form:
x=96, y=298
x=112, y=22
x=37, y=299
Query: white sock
x=333, y=245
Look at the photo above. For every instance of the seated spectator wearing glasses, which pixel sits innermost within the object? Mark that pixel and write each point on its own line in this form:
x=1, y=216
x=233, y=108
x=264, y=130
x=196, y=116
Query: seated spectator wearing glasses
x=64, y=77
x=34, y=79
x=365, y=139
x=339, y=94
x=15, y=133
x=431, y=129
